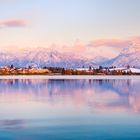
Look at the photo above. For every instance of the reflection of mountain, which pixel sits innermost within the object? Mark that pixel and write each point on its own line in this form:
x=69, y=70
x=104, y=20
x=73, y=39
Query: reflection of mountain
x=109, y=94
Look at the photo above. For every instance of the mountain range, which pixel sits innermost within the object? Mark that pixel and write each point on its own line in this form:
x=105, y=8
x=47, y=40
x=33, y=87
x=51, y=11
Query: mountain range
x=41, y=57
x=128, y=56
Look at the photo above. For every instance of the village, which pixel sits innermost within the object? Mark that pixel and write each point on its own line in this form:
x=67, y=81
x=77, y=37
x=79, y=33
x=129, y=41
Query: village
x=12, y=70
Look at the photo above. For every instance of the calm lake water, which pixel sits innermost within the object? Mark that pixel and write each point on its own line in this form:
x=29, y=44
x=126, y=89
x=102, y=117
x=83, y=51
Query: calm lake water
x=69, y=109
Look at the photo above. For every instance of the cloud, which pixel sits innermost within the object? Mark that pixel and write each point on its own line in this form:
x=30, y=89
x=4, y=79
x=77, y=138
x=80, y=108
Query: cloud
x=106, y=47
x=12, y=23
x=111, y=43
x=135, y=40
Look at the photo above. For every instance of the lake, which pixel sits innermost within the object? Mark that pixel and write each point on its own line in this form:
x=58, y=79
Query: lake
x=65, y=109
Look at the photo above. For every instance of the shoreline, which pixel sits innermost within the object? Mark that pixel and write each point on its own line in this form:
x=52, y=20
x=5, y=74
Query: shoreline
x=70, y=77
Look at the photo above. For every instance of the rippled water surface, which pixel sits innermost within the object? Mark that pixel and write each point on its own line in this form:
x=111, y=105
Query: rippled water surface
x=69, y=109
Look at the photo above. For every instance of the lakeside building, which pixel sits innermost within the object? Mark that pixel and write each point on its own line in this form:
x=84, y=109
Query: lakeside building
x=11, y=70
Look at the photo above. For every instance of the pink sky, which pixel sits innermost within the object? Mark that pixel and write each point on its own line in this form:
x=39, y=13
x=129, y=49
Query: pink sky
x=88, y=27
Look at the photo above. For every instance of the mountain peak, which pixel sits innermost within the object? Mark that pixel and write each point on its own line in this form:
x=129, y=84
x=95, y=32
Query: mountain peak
x=128, y=56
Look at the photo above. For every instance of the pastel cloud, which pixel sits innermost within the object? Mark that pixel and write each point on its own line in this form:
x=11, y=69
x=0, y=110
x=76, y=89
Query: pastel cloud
x=135, y=40
x=111, y=43
x=105, y=47
x=12, y=23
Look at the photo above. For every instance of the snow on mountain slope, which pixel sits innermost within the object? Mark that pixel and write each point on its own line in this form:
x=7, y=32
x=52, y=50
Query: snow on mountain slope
x=128, y=56
x=100, y=59
x=43, y=57
x=51, y=58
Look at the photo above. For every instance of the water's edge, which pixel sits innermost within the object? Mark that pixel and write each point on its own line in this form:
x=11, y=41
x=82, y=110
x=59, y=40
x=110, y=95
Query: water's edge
x=68, y=77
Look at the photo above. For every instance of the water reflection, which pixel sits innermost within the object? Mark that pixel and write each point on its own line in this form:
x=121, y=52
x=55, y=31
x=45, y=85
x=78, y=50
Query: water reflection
x=12, y=124
x=69, y=109
x=97, y=95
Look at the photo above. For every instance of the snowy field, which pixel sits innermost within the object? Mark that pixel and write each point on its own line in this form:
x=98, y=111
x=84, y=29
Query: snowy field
x=70, y=77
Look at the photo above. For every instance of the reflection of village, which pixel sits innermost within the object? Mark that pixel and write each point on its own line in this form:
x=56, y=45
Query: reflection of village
x=99, y=95
x=11, y=70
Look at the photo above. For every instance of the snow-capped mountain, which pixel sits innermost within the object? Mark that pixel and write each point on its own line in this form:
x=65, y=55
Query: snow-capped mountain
x=41, y=57
x=100, y=59
x=128, y=56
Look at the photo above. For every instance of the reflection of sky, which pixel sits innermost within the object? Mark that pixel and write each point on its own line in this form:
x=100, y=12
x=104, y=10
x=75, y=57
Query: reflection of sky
x=97, y=95
x=43, y=106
